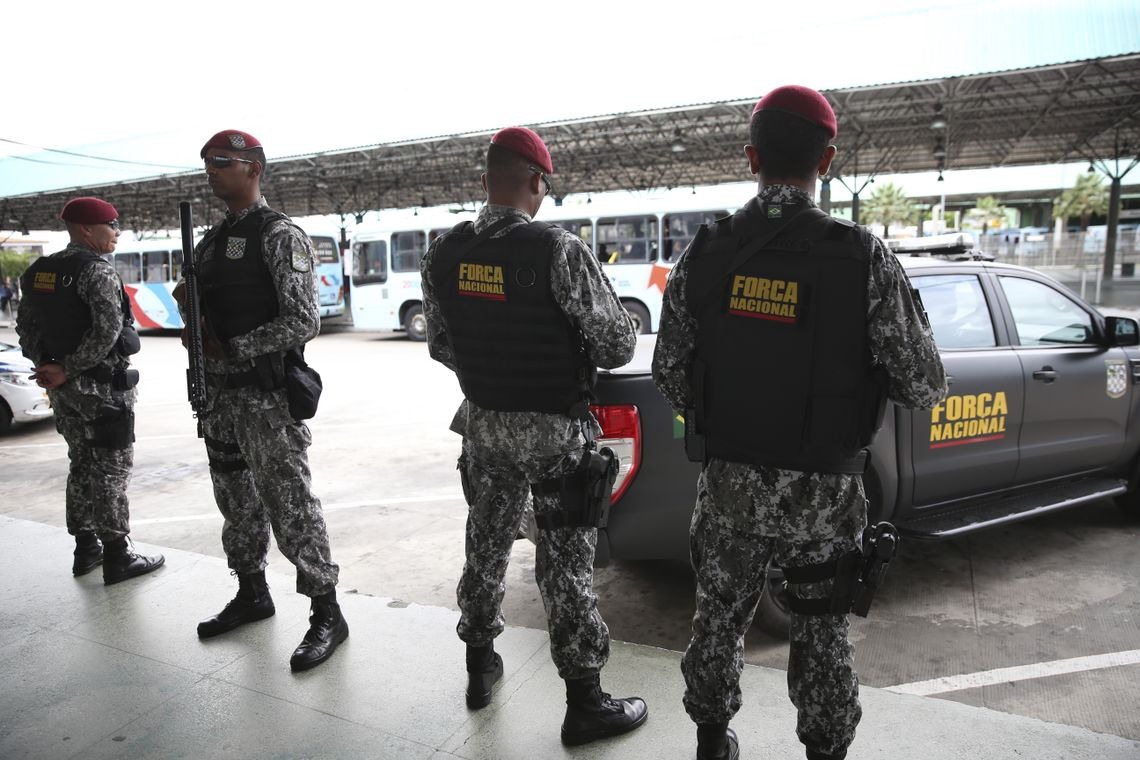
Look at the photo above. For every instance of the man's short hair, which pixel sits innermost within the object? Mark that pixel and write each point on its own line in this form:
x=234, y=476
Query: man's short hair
x=788, y=146
x=506, y=169
x=255, y=154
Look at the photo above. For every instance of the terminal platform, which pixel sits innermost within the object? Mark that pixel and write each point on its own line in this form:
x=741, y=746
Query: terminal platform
x=91, y=672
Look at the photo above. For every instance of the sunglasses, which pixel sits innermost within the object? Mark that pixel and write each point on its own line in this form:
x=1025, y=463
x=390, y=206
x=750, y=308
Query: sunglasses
x=545, y=180
x=221, y=162
x=113, y=224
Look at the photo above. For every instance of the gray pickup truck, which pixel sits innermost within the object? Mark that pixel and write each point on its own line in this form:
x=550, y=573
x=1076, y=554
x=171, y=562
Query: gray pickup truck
x=1043, y=413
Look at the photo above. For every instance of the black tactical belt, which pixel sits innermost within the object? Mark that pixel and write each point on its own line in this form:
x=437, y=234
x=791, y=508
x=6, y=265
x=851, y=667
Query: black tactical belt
x=239, y=380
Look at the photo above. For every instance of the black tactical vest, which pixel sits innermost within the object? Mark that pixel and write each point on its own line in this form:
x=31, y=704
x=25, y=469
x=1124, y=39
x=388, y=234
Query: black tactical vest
x=238, y=293
x=514, y=348
x=783, y=375
x=51, y=287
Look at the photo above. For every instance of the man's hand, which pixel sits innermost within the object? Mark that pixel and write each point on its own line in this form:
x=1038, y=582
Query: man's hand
x=50, y=376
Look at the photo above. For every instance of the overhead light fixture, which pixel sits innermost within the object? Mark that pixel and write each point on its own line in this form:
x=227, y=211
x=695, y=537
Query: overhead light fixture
x=360, y=218
x=589, y=199
x=678, y=147
x=939, y=122
x=940, y=179
x=1091, y=167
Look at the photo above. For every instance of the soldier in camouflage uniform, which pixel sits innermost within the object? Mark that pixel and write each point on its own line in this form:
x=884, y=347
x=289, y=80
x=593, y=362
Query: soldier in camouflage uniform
x=751, y=508
x=259, y=298
x=526, y=347
x=75, y=324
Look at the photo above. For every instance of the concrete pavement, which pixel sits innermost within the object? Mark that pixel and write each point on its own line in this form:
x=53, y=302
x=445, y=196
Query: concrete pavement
x=117, y=672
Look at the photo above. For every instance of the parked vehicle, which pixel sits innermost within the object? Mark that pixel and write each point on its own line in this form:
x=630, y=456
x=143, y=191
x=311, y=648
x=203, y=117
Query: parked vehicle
x=1043, y=414
x=21, y=400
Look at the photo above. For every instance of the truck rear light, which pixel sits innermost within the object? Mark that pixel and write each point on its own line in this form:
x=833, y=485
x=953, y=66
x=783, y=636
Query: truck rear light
x=621, y=431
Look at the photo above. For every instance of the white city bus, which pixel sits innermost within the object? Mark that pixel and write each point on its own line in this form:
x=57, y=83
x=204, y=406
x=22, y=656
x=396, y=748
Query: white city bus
x=637, y=239
x=151, y=268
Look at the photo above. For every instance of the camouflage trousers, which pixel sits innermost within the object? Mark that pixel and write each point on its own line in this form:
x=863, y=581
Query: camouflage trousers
x=745, y=518
x=99, y=470
x=260, y=469
x=497, y=493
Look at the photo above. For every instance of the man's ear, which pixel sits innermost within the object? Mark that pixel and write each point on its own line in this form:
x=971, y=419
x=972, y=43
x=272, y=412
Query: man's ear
x=753, y=158
x=825, y=160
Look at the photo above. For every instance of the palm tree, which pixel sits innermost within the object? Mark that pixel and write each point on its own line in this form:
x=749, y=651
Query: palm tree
x=887, y=205
x=986, y=211
x=1087, y=197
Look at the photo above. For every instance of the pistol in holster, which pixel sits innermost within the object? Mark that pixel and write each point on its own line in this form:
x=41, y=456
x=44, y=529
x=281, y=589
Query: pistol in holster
x=113, y=427
x=583, y=495
x=694, y=439
x=857, y=575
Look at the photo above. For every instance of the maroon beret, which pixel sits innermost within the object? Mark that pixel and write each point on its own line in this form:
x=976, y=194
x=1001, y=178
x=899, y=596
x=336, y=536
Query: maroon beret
x=527, y=144
x=88, y=211
x=803, y=102
x=230, y=139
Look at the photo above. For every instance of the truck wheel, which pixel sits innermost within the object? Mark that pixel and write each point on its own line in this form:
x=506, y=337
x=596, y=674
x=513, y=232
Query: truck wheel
x=5, y=417
x=415, y=323
x=772, y=615
x=640, y=316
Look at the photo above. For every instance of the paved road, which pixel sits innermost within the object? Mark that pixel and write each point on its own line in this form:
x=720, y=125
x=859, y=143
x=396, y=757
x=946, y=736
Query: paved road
x=1023, y=596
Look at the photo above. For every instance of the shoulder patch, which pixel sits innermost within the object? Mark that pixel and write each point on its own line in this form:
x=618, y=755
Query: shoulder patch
x=302, y=259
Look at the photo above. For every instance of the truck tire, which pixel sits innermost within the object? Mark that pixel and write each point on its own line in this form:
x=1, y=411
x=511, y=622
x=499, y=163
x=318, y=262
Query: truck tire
x=415, y=324
x=772, y=616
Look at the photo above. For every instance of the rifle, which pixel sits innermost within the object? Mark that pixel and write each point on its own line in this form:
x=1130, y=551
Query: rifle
x=196, y=372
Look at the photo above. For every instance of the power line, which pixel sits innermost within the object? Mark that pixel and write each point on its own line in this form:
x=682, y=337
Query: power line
x=97, y=158
x=60, y=163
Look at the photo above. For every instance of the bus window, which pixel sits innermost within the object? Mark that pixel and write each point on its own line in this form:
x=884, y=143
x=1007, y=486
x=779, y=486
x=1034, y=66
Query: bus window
x=407, y=250
x=370, y=262
x=156, y=266
x=326, y=250
x=627, y=240
x=128, y=267
x=583, y=228
x=175, y=265
x=681, y=228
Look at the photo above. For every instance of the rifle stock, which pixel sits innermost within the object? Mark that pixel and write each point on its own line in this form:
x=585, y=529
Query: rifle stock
x=196, y=372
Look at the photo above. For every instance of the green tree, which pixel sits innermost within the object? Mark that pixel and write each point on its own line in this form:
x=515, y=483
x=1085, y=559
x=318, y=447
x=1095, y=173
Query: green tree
x=987, y=212
x=888, y=205
x=13, y=264
x=1087, y=197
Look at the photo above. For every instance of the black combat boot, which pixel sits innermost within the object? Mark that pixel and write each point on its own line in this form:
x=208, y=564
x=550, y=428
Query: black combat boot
x=592, y=714
x=88, y=554
x=484, y=669
x=716, y=741
x=120, y=562
x=327, y=629
x=251, y=604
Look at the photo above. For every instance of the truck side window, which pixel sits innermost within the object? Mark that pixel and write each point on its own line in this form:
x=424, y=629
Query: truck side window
x=956, y=306
x=1044, y=316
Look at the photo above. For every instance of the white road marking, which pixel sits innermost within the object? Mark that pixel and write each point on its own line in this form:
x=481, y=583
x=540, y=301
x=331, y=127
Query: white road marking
x=327, y=508
x=1018, y=673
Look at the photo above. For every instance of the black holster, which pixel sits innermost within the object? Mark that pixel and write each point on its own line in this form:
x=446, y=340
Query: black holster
x=857, y=575
x=113, y=427
x=584, y=494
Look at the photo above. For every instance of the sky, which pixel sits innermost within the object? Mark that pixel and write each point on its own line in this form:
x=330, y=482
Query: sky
x=144, y=84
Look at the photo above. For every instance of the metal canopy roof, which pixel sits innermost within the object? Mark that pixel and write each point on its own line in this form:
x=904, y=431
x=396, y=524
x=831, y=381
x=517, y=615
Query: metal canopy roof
x=1049, y=114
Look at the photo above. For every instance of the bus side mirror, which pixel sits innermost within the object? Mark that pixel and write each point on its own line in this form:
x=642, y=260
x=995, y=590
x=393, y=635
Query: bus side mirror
x=1122, y=331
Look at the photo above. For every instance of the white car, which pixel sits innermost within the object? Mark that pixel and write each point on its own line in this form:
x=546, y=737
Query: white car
x=21, y=400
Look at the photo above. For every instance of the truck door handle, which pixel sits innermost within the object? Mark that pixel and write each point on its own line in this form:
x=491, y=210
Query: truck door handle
x=1046, y=374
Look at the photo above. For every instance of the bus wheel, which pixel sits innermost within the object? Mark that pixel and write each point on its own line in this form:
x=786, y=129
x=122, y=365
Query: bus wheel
x=415, y=323
x=640, y=316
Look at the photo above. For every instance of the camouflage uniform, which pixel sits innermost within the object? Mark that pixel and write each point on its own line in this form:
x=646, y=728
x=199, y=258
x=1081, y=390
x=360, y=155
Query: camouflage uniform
x=504, y=452
x=258, y=460
x=747, y=516
x=98, y=477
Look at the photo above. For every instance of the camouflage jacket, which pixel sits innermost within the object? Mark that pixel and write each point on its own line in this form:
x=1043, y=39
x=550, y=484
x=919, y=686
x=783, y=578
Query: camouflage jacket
x=586, y=296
